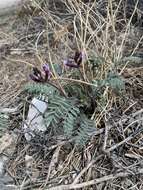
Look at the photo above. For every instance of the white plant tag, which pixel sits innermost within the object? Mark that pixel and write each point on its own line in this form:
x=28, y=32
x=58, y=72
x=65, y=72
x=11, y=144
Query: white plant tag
x=35, y=121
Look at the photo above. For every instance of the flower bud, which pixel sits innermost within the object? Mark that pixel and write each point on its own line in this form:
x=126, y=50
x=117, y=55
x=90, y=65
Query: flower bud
x=47, y=71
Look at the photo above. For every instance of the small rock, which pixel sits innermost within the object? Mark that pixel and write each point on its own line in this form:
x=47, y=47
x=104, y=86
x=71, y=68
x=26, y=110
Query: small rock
x=28, y=161
x=3, y=161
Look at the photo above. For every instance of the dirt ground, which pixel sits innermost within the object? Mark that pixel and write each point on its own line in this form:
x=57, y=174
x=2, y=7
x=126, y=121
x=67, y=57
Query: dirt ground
x=19, y=53
x=17, y=56
x=13, y=72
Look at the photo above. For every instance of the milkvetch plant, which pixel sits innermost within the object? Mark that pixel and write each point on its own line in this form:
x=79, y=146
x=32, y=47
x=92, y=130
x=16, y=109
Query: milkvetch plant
x=72, y=115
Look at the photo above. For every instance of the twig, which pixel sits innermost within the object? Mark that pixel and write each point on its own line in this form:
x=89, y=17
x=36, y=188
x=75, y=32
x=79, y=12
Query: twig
x=137, y=113
x=124, y=141
x=118, y=144
x=74, y=80
x=86, y=168
x=105, y=136
x=95, y=133
x=96, y=181
x=9, y=110
x=54, y=160
x=83, y=171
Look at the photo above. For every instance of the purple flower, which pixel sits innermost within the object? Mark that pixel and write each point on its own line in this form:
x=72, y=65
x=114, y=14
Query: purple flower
x=70, y=63
x=79, y=57
x=36, y=75
x=47, y=71
x=34, y=78
x=37, y=72
x=76, y=60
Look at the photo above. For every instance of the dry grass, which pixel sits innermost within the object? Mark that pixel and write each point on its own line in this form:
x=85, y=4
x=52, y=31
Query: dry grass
x=113, y=158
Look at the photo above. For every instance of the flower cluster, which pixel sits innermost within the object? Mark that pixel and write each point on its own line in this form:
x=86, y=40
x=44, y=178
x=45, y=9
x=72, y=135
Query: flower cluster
x=39, y=76
x=76, y=60
x=45, y=75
